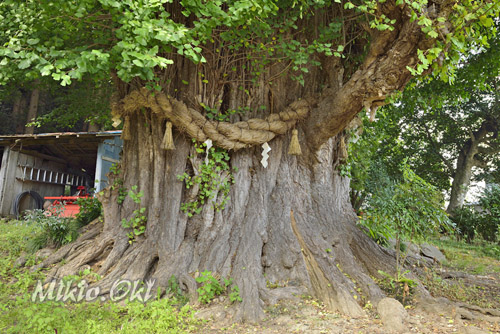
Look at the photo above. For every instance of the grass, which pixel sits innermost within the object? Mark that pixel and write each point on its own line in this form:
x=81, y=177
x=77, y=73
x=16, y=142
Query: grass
x=479, y=286
x=480, y=258
x=458, y=290
x=18, y=314
x=477, y=258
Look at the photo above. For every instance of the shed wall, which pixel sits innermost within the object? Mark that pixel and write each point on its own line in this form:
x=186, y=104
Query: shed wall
x=11, y=183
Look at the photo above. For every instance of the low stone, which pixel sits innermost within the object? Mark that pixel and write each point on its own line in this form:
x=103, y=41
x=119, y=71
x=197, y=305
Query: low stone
x=21, y=261
x=413, y=249
x=215, y=312
x=438, y=305
x=393, y=315
x=432, y=251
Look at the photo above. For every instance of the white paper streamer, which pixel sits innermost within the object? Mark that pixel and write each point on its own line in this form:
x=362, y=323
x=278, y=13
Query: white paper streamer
x=265, y=154
x=116, y=121
x=208, y=142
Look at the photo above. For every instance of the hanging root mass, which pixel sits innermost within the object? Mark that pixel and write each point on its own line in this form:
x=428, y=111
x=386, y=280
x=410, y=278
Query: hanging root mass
x=232, y=136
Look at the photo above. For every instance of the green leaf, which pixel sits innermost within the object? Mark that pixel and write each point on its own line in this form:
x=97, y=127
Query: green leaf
x=433, y=34
x=138, y=63
x=46, y=69
x=25, y=63
x=348, y=5
x=33, y=41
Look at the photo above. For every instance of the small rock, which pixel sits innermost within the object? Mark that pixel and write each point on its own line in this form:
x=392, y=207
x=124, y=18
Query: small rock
x=432, y=252
x=21, y=261
x=464, y=314
x=438, y=305
x=216, y=313
x=392, y=314
x=413, y=249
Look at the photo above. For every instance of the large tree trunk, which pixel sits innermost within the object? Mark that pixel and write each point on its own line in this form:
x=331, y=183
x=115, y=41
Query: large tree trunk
x=19, y=112
x=254, y=240
x=461, y=181
x=467, y=159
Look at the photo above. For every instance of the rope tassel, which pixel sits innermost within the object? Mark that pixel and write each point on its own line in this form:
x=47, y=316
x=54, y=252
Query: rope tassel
x=294, y=148
x=343, y=150
x=126, y=135
x=168, y=139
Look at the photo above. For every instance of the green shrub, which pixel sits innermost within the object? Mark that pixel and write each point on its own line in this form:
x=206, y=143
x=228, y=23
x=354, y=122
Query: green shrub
x=492, y=250
x=18, y=314
x=90, y=209
x=53, y=230
x=486, y=224
x=409, y=209
x=489, y=227
x=466, y=220
x=175, y=292
x=211, y=287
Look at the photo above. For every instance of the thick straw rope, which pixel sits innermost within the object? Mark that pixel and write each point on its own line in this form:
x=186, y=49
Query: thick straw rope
x=231, y=136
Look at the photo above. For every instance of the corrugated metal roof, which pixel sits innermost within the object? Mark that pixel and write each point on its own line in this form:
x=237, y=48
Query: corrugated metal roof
x=62, y=134
x=78, y=149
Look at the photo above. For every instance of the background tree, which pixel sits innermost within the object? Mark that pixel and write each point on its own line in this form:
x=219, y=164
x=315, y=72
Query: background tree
x=20, y=102
x=449, y=130
x=51, y=108
x=268, y=67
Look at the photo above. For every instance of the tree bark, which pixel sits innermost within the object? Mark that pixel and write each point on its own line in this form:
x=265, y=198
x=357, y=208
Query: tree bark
x=256, y=240
x=461, y=180
x=18, y=112
x=465, y=162
x=93, y=127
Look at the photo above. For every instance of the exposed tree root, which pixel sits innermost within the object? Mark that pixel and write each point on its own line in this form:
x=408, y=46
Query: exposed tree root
x=335, y=297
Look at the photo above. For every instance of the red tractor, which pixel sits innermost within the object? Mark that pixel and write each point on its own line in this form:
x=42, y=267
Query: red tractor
x=65, y=206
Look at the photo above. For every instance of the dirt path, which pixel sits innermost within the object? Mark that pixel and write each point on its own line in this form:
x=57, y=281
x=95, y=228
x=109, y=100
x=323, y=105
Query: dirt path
x=307, y=316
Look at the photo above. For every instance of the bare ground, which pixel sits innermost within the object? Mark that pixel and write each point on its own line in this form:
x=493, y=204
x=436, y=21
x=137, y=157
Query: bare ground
x=306, y=315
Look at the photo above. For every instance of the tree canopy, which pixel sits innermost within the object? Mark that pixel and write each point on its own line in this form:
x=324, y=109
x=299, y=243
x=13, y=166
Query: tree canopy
x=138, y=39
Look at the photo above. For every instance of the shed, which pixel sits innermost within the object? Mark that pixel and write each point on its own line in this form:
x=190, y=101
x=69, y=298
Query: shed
x=53, y=164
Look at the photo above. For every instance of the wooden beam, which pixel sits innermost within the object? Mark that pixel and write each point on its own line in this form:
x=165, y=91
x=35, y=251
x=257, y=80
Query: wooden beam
x=44, y=156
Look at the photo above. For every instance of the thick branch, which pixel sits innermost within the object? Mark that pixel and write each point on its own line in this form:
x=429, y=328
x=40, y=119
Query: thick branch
x=479, y=163
x=384, y=72
x=492, y=149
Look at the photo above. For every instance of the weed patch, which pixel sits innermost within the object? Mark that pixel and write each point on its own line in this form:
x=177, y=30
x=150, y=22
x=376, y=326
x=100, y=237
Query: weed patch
x=18, y=314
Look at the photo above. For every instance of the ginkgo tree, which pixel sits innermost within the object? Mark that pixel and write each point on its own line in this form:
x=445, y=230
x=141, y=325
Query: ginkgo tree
x=288, y=75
